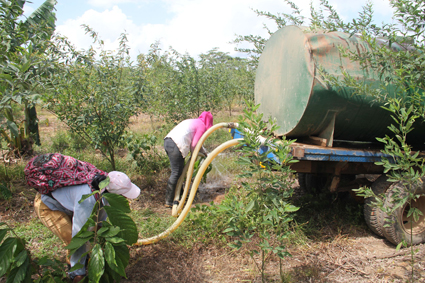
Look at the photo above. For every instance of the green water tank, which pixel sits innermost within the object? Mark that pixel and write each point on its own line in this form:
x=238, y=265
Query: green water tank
x=290, y=89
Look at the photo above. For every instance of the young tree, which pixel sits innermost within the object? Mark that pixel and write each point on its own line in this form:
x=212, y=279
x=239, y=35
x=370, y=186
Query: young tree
x=225, y=79
x=157, y=69
x=22, y=47
x=396, y=54
x=94, y=94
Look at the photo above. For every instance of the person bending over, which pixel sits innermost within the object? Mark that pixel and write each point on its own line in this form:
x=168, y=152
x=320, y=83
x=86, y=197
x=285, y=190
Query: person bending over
x=179, y=141
x=61, y=181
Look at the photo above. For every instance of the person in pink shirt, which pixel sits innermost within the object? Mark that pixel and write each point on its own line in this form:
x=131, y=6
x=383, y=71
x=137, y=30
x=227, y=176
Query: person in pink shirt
x=179, y=141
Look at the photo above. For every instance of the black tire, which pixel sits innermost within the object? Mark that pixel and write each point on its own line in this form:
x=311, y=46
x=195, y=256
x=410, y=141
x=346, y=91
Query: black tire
x=373, y=215
x=402, y=227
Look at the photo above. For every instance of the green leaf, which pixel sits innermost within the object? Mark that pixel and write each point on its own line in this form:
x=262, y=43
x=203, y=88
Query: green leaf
x=115, y=240
x=76, y=267
x=236, y=245
x=118, y=202
x=85, y=234
x=102, y=230
x=228, y=230
x=110, y=257
x=7, y=249
x=76, y=243
x=96, y=264
x=111, y=232
x=3, y=233
x=122, y=257
x=291, y=208
x=20, y=259
x=6, y=77
x=110, y=254
x=250, y=206
x=84, y=197
x=128, y=227
x=104, y=183
x=112, y=276
x=13, y=128
x=21, y=273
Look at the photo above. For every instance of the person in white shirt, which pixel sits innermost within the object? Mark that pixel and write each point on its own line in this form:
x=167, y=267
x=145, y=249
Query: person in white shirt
x=64, y=216
x=179, y=141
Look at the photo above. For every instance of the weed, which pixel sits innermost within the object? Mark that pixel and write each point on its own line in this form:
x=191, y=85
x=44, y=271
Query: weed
x=317, y=213
x=145, y=154
x=60, y=142
x=40, y=237
x=64, y=141
x=150, y=223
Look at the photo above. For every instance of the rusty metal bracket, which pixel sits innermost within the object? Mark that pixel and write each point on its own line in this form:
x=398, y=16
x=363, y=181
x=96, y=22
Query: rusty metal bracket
x=328, y=132
x=298, y=152
x=337, y=176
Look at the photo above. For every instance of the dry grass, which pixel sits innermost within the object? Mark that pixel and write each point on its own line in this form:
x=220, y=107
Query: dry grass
x=338, y=255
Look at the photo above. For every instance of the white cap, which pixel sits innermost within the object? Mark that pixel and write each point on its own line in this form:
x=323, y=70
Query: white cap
x=120, y=184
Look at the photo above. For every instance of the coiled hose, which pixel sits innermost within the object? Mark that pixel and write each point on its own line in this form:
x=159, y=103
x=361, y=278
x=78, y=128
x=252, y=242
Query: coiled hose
x=178, y=210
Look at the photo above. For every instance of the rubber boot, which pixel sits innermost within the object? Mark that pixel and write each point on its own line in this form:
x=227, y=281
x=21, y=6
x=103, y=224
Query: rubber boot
x=169, y=195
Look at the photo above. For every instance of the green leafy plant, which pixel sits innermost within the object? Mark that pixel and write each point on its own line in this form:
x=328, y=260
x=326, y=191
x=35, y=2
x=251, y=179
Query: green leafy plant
x=5, y=192
x=94, y=94
x=226, y=79
x=406, y=170
x=196, y=167
x=178, y=87
x=17, y=265
x=145, y=153
x=263, y=210
x=22, y=48
x=109, y=254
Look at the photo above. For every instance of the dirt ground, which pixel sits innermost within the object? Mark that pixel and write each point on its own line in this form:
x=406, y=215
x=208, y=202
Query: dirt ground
x=341, y=255
x=338, y=255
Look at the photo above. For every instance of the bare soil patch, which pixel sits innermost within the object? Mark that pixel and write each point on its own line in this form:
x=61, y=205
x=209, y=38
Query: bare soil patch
x=338, y=254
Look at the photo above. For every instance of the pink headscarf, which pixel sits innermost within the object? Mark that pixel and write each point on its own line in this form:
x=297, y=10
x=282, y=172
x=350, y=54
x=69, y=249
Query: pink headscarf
x=207, y=118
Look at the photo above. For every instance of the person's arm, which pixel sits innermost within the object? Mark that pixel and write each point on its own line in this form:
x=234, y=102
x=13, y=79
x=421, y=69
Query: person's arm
x=82, y=212
x=198, y=132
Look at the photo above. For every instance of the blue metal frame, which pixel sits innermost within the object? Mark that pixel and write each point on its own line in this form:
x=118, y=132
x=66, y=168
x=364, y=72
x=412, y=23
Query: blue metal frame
x=328, y=154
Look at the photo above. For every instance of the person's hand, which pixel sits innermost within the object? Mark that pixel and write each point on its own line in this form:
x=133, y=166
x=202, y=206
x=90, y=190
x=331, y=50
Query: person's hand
x=78, y=278
x=96, y=181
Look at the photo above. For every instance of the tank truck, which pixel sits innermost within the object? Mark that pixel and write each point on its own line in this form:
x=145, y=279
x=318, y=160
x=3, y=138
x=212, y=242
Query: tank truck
x=335, y=130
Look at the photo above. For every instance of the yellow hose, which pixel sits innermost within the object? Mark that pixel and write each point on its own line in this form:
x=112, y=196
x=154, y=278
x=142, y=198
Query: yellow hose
x=196, y=181
x=175, y=211
x=178, y=208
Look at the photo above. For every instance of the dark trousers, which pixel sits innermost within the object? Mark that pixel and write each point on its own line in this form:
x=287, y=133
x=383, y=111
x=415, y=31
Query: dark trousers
x=176, y=162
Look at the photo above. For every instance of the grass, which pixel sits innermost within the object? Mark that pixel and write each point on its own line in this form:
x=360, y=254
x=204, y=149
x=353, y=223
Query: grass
x=40, y=239
x=317, y=218
x=319, y=215
x=150, y=223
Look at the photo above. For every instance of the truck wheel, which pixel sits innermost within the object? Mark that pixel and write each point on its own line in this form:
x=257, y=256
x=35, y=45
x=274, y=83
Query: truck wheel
x=402, y=227
x=373, y=215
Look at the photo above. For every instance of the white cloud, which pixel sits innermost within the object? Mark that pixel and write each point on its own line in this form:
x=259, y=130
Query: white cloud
x=110, y=3
x=109, y=30
x=196, y=26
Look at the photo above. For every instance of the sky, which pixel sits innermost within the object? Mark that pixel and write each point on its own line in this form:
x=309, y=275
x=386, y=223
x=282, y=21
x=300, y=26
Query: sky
x=192, y=26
